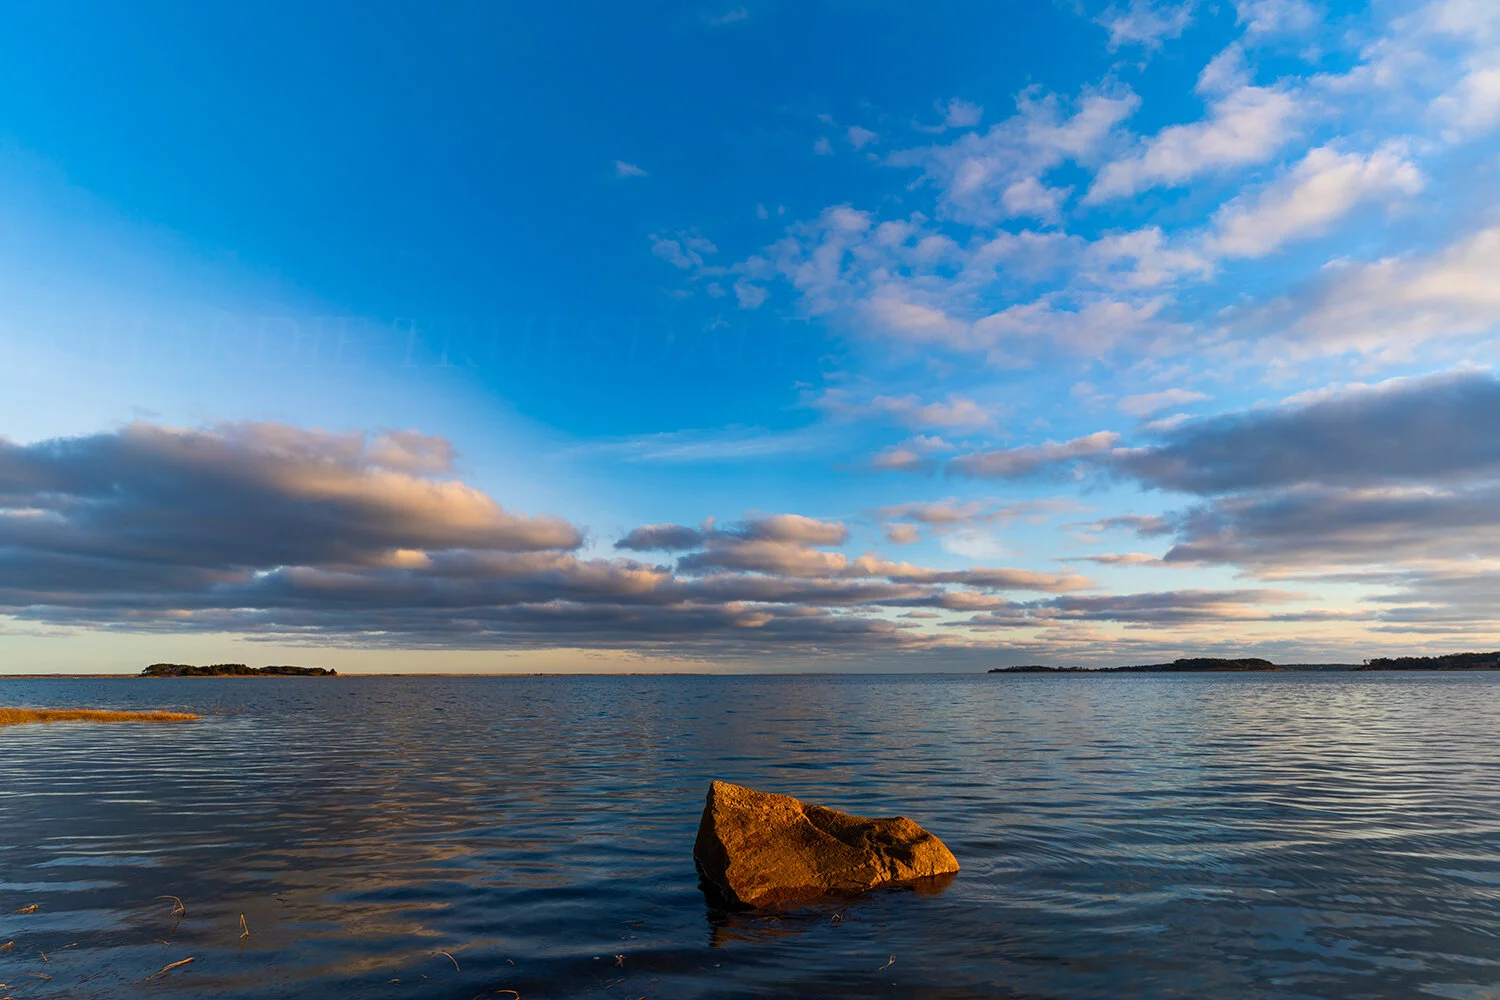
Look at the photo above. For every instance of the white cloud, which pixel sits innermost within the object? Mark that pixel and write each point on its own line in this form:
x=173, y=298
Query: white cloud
x=733, y=16
x=1151, y=402
x=962, y=114
x=1030, y=197
x=1153, y=261
x=1225, y=72
x=1324, y=187
x=823, y=147
x=1472, y=106
x=1272, y=17
x=1091, y=330
x=623, y=169
x=909, y=410
x=1391, y=305
x=912, y=455
x=1013, y=463
x=974, y=172
x=859, y=137
x=902, y=534
x=1146, y=23
x=1476, y=19
x=685, y=252
x=1245, y=126
x=901, y=458
x=749, y=295
x=974, y=543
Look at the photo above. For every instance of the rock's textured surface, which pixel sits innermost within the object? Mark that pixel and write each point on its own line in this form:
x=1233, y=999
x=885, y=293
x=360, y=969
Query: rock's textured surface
x=760, y=849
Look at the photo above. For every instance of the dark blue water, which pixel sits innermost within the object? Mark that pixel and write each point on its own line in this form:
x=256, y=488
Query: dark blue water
x=1146, y=836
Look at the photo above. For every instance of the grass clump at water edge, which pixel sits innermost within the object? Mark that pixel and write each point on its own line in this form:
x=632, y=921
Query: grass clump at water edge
x=23, y=716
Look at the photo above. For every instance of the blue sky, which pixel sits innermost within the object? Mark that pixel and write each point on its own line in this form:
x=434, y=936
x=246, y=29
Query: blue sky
x=992, y=333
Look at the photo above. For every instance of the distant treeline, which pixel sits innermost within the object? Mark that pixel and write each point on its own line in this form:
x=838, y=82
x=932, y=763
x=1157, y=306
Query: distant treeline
x=1197, y=664
x=233, y=670
x=1453, y=661
x=1206, y=664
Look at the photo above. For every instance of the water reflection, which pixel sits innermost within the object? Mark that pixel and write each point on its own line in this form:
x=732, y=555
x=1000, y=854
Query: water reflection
x=729, y=921
x=1275, y=836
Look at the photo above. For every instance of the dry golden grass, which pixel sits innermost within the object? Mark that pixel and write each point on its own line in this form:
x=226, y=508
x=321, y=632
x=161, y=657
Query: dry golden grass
x=21, y=716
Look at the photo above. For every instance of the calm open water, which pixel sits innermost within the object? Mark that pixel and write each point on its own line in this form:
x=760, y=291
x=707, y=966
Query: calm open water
x=1145, y=836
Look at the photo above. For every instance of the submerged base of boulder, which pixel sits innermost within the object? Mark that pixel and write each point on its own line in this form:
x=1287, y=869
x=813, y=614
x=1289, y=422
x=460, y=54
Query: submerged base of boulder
x=759, y=849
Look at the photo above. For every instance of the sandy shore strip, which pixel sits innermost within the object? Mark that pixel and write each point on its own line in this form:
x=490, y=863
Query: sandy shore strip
x=23, y=716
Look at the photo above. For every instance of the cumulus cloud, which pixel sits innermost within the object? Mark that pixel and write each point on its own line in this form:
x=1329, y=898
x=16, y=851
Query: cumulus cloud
x=1029, y=197
x=1173, y=607
x=1472, y=106
x=902, y=458
x=750, y=295
x=1324, y=187
x=1274, y=17
x=902, y=534
x=1388, y=307
x=732, y=16
x=1323, y=527
x=1397, y=474
x=1146, y=23
x=623, y=169
x=1015, y=463
x=793, y=528
x=242, y=495
x=685, y=252
x=951, y=512
x=1436, y=428
x=1151, y=402
x=1243, y=127
x=663, y=537
x=1143, y=258
x=962, y=114
x=1122, y=559
x=911, y=411
x=996, y=174
x=279, y=532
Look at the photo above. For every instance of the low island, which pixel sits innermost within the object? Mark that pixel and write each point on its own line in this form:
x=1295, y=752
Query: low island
x=1208, y=664
x=1197, y=664
x=233, y=670
x=1453, y=661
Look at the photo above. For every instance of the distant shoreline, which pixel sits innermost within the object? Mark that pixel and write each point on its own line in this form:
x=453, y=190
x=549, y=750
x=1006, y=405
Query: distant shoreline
x=233, y=670
x=1450, y=663
x=1213, y=665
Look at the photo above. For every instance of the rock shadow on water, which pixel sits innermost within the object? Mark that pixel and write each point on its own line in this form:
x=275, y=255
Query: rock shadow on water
x=731, y=921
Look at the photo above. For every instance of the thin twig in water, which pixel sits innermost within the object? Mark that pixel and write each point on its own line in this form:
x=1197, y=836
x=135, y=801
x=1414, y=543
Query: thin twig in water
x=26, y=909
x=453, y=960
x=244, y=928
x=39, y=975
x=7, y=946
x=511, y=992
x=43, y=954
x=179, y=910
x=887, y=965
x=168, y=968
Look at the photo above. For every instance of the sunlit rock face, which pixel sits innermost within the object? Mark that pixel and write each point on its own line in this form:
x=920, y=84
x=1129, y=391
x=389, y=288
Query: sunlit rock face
x=760, y=849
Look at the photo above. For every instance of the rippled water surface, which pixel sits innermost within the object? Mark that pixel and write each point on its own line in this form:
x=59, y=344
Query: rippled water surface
x=1143, y=836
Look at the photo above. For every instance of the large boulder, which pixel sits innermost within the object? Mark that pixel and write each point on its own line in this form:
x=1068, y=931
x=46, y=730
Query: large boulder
x=760, y=849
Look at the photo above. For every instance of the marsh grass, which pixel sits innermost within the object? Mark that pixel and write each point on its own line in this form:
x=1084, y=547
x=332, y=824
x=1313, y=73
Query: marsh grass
x=23, y=716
